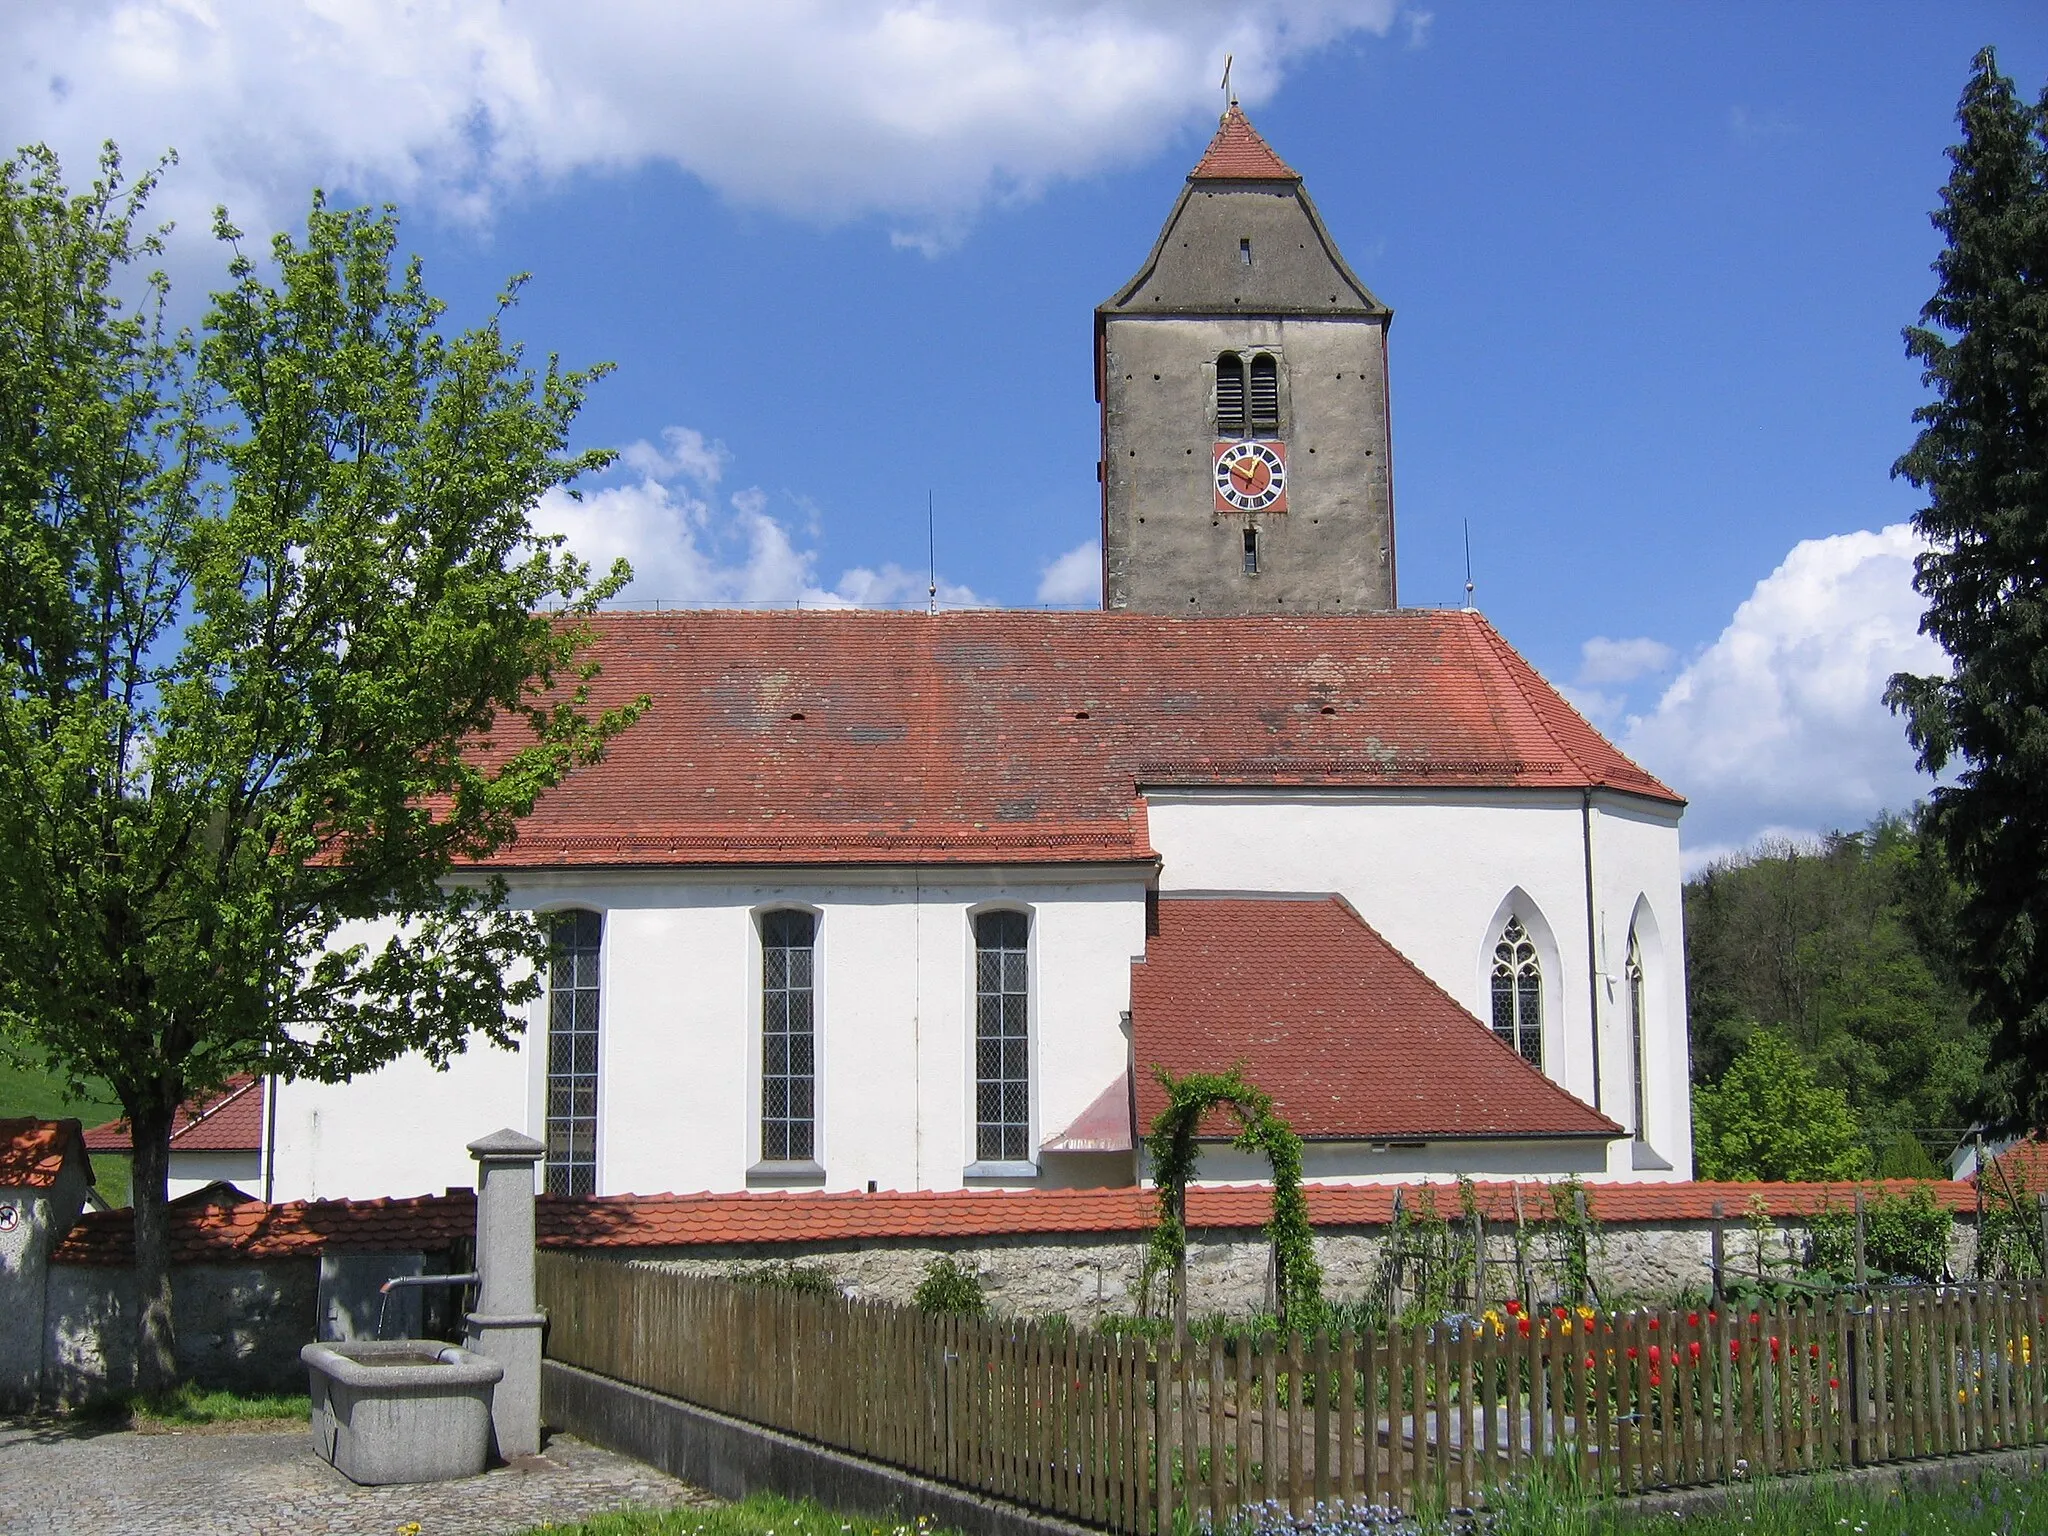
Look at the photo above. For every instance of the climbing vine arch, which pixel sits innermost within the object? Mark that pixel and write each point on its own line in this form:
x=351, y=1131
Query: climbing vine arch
x=1171, y=1145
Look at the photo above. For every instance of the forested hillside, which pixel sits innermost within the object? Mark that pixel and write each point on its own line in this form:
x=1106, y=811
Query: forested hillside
x=1845, y=949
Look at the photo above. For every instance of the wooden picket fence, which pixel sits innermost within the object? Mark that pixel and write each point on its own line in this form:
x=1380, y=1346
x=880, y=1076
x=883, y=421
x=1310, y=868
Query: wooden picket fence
x=1117, y=1432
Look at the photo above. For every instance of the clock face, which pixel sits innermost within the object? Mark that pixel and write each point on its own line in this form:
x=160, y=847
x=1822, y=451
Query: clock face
x=1251, y=477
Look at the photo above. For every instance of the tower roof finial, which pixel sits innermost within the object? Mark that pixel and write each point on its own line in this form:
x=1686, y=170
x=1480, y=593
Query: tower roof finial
x=1229, y=95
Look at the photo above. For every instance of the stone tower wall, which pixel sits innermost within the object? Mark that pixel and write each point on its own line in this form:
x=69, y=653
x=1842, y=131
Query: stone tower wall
x=1166, y=547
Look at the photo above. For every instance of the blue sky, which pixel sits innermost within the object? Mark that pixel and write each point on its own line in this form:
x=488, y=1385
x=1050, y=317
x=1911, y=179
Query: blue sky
x=1649, y=265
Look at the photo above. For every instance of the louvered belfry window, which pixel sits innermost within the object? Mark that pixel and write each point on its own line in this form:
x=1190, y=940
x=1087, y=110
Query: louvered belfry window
x=1265, y=398
x=1518, y=993
x=1229, y=395
x=1002, y=1048
x=572, y=1053
x=788, y=1044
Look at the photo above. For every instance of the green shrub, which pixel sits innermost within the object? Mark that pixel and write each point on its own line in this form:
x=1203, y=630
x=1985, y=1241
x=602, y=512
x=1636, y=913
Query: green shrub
x=950, y=1289
x=788, y=1275
x=1905, y=1237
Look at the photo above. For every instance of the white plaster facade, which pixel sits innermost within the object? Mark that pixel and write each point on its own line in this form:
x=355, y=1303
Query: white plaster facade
x=680, y=1012
x=679, y=1036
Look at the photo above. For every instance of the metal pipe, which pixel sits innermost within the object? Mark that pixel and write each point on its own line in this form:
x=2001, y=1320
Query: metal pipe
x=396, y=1281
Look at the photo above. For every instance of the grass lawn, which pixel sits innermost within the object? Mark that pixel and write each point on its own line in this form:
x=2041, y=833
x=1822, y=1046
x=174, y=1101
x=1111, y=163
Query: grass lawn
x=188, y=1407
x=26, y=1090
x=762, y=1515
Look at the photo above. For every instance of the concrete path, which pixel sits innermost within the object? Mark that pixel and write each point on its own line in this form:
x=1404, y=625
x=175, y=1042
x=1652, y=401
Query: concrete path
x=60, y=1481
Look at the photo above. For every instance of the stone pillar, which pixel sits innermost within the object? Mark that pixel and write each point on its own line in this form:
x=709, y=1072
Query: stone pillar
x=505, y=1325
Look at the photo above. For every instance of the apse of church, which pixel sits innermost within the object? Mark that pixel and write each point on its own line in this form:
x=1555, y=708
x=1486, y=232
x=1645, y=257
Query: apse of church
x=1243, y=381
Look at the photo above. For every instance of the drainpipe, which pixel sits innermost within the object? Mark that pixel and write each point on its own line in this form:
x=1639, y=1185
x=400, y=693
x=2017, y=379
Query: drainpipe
x=270, y=1139
x=1592, y=949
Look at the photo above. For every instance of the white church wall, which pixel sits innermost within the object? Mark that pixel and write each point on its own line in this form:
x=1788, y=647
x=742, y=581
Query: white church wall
x=1437, y=873
x=1639, y=885
x=679, y=1030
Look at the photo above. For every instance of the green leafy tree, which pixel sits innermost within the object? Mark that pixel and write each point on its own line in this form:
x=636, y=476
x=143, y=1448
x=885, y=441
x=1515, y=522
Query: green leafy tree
x=1845, y=947
x=1982, y=458
x=273, y=664
x=1770, y=1118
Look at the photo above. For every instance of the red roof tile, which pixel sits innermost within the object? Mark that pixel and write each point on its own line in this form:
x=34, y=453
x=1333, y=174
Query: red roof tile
x=228, y=1121
x=430, y=1223
x=1237, y=153
x=989, y=736
x=2023, y=1167
x=32, y=1152
x=1351, y=1040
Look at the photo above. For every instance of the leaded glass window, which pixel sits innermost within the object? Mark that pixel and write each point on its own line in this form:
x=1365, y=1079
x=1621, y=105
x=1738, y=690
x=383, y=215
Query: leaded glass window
x=788, y=1042
x=1518, y=993
x=1002, y=1047
x=1633, y=975
x=572, y=1054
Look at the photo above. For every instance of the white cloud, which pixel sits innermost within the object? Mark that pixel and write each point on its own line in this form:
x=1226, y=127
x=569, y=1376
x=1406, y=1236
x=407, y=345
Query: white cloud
x=923, y=112
x=688, y=547
x=1075, y=577
x=688, y=454
x=1620, y=661
x=1779, y=725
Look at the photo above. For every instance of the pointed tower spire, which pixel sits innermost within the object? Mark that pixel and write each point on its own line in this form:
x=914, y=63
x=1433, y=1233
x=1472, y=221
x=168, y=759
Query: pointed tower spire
x=1237, y=153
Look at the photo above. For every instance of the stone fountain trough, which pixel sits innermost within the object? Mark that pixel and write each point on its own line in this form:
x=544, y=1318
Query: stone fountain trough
x=402, y=1410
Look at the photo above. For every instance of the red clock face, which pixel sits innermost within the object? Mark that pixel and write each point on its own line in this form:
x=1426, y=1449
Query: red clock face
x=1251, y=476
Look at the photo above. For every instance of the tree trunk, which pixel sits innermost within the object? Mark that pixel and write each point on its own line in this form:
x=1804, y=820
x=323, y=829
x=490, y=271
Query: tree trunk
x=156, y=1359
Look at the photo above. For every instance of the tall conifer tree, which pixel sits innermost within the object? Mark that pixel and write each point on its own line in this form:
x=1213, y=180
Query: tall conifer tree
x=1982, y=457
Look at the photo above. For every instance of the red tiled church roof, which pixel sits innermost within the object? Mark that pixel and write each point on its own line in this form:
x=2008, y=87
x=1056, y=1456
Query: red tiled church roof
x=228, y=1121
x=991, y=736
x=1351, y=1040
x=1237, y=153
x=32, y=1152
x=210, y=1234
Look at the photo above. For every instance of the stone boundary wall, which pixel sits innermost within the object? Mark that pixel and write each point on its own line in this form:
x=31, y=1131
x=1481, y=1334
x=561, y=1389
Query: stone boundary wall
x=240, y=1319
x=1087, y=1276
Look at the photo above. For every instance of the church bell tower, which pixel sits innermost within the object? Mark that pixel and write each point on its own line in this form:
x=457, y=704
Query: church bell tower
x=1243, y=381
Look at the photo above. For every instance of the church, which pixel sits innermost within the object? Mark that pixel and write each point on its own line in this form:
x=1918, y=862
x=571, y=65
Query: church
x=923, y=901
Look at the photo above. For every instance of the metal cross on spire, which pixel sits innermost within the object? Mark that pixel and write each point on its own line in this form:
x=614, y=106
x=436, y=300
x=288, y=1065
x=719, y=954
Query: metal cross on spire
x=1229, y=96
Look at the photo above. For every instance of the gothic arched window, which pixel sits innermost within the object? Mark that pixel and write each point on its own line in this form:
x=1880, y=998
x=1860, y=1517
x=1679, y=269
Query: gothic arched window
x=572, y=1053
x=1518, y=993
x=1229, y=395
x=1632, y=974
x=788, y=1042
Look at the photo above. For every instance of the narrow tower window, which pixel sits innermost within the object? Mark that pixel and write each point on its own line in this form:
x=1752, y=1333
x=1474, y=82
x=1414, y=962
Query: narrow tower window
x=1244, y=252
x=1251, y=551
x=1002, y=1060
x=1229, y=395
x=1518, y=993
x=788, y=1046
x=1633, y=974
x=572, y=1054
x=1265, y=403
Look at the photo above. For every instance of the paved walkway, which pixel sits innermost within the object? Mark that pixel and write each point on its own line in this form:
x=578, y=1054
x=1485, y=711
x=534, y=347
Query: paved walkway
x=57, y=1481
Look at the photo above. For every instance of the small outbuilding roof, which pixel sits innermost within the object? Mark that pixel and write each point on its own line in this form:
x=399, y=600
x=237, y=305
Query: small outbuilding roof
x=33, y=1152
x=1351, y=1039
x=228, y=1121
